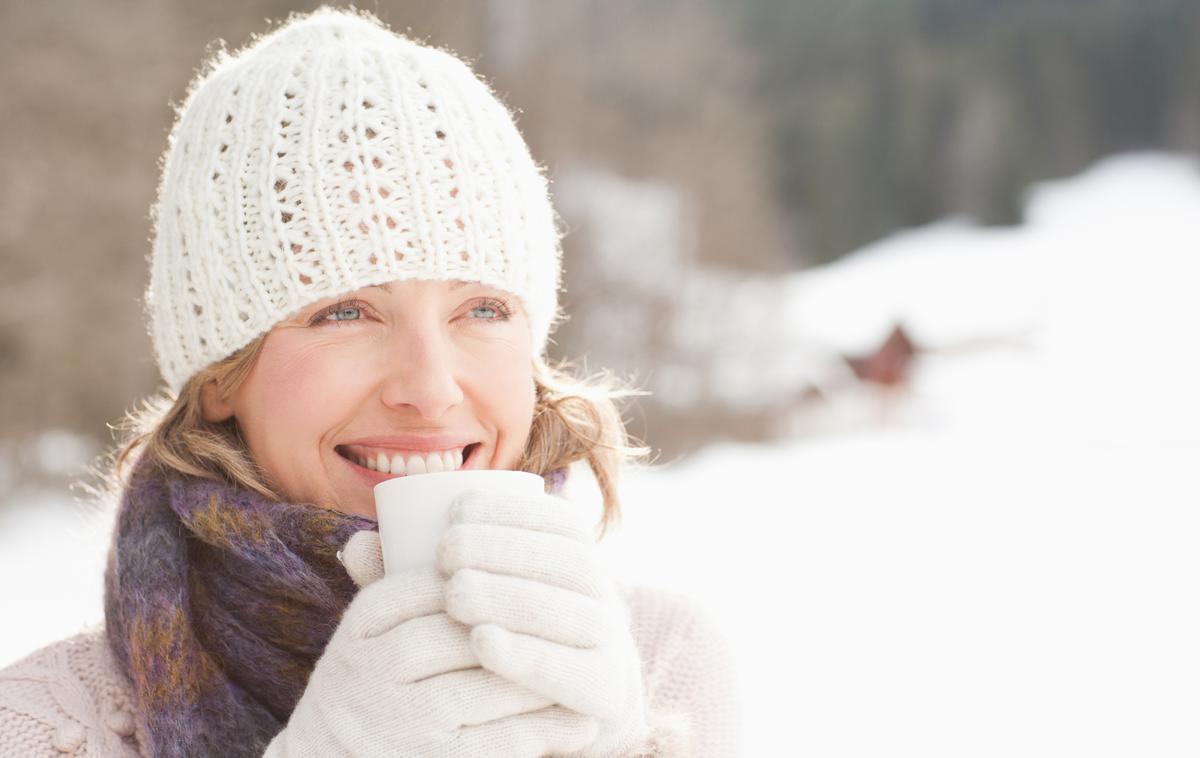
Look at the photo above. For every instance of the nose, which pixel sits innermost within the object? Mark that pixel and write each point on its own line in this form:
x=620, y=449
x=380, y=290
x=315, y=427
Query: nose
x=421, y=373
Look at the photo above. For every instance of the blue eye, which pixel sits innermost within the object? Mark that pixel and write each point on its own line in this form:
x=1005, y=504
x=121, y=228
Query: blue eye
x=500, y=309
x=340, y=313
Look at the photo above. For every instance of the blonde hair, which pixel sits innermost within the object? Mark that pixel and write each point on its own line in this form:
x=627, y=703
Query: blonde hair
x=574, y=419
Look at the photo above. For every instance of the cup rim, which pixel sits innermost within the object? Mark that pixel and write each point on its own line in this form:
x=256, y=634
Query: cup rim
x=489, y=473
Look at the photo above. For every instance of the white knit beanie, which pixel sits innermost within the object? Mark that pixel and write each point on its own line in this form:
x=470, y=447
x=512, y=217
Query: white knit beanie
x=329, y=155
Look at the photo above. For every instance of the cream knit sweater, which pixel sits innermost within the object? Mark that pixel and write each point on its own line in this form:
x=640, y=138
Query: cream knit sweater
x=68, y=698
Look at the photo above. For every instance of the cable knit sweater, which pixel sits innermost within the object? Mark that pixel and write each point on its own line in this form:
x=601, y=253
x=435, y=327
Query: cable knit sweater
x=69, y=698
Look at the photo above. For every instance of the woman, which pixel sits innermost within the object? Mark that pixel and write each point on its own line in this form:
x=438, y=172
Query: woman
x=354, y=274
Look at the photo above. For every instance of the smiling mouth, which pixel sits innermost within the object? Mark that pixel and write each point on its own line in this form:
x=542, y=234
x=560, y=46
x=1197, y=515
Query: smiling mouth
x=410, y=463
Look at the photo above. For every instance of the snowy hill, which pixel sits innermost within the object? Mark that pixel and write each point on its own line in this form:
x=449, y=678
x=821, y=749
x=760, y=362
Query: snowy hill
x=1008, y=565
x=1083, y=320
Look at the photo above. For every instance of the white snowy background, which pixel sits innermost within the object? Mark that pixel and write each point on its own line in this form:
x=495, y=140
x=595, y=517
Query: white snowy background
x=1000, y=561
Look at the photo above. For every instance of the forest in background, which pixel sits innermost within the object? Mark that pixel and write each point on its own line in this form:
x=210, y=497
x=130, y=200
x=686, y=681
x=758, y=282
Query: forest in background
x=891, y=114
x=752, y=137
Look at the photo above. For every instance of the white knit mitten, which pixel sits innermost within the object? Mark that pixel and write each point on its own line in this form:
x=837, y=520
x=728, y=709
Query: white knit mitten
x=525, y=574
x=398, y=677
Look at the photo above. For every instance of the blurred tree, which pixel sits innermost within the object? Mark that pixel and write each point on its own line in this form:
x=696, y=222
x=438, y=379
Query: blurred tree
x=889, y=115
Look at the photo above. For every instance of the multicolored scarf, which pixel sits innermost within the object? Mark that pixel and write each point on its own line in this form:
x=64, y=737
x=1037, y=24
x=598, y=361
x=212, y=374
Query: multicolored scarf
x=218, y=603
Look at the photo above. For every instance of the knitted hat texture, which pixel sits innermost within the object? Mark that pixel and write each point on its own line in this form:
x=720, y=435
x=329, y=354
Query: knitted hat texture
x=333, y=154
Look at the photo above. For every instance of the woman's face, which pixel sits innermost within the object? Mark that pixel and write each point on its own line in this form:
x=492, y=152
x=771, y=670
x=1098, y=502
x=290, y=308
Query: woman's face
x=406, y=374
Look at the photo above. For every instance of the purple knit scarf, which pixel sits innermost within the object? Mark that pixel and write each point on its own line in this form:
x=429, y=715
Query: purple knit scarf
x=218, y=603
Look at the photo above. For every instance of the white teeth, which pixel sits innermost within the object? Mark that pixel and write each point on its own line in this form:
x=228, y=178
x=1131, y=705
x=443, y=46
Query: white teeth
x=398, y=466
x=417, y=463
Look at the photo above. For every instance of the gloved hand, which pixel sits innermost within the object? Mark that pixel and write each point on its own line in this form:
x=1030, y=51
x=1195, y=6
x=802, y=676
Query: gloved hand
x=398, y=678
x=525, y=574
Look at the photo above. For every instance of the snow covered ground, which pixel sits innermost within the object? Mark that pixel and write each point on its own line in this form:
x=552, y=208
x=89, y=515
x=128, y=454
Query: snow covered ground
x=1008, y=567
x=51, y=562
x=1091, y=307
x=912, y=593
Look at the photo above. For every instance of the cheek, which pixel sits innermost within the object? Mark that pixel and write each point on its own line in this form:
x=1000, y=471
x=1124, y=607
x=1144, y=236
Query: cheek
x=290, y=378
x=295, y=396
x=505, y=387
x=518, y=401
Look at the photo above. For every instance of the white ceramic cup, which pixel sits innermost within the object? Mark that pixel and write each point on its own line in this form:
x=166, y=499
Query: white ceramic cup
x=414, y=511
